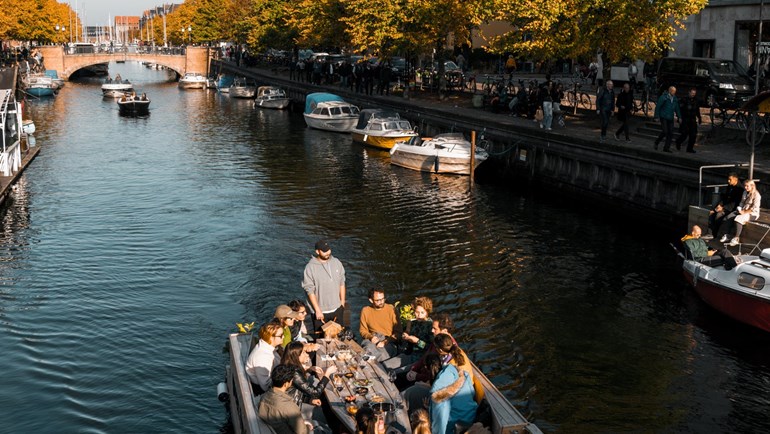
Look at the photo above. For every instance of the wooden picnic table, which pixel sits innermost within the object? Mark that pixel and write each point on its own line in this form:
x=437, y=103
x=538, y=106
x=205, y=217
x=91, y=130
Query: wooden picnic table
x=379, y=385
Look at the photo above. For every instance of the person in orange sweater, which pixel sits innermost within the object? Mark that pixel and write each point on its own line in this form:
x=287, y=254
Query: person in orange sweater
x=380, y=327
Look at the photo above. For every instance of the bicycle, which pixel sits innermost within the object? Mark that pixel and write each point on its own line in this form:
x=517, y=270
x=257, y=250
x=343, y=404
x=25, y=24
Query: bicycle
x=763, y=126
x=645, y=104
x=720, y=116
x=577, y=98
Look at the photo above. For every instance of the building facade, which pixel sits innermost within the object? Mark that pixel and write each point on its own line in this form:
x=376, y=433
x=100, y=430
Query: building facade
x=724, y=29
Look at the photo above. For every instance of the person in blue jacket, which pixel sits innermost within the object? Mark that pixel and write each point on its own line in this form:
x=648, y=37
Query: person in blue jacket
x=451, y=392
x=665, y=109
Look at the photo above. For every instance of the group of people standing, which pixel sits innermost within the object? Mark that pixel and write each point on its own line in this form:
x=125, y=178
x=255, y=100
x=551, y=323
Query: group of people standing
x=668, y=108
x=434, y=374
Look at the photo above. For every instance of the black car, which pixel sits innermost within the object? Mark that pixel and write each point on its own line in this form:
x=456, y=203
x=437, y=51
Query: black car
x=721, y=81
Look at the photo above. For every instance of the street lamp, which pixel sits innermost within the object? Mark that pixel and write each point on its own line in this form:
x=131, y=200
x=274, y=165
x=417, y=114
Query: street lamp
x=189, y=32
x=60, y=29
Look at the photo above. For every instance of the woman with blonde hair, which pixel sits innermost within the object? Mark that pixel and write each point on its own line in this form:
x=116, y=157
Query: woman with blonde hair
x=748, y=210
x=420, y=422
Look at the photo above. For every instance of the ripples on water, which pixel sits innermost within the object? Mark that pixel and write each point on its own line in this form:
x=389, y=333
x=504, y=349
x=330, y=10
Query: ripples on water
x=132, y=246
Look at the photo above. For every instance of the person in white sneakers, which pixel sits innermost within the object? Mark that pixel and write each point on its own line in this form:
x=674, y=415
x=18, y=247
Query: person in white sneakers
x=748, y=210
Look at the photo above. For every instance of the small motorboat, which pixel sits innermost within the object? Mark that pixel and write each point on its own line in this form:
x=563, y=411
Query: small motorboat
x=117, y=87
x=326, y=111
x=59, y=82
x=133, y=106
x=223, y=83
x=382, y=128
x=736, y=285
x=28, y=127
x=444, y=153
x=192, y=80
x=271, y=97
x=243, y=88
x=39, y=85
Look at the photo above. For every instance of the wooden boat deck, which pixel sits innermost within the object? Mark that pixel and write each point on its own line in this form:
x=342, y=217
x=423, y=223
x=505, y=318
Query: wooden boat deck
x=243, y=405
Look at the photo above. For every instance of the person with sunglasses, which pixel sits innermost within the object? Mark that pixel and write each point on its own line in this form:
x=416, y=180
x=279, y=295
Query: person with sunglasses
x=264, y=357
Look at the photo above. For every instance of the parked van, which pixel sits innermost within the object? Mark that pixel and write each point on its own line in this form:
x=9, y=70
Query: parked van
x=724, y=81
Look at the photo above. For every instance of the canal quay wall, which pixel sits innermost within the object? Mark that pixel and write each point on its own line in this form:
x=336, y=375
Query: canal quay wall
x=627, y=179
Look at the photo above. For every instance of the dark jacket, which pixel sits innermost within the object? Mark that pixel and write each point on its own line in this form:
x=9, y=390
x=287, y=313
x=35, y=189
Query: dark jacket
x=605, y=100
x=302, y=389
x=624, y=102
x=731, y=197
x=690, y=109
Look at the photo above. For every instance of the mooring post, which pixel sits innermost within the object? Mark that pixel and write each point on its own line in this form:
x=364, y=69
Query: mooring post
x=472, y=169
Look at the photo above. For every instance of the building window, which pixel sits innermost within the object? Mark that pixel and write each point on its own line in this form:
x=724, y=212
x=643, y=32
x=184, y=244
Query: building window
x=703, y=48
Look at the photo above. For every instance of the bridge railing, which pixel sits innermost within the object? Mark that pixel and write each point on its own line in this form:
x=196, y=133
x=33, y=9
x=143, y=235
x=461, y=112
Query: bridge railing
x=123, y=50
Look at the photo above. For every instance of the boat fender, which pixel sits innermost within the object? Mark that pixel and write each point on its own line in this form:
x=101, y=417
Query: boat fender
x=393, y=149
x=366, y=136
x=435, y=165
x=222, y=395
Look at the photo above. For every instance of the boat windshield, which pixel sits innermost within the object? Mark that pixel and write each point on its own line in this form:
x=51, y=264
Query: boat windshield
x=404, y=125
x=336, y=111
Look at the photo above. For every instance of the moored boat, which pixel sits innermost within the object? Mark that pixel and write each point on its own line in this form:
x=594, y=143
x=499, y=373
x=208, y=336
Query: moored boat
x=738, y=286
x=55, y=78
x=39, y=85
x=192, y=80
x=326, y=111
x=381, y=128
x=28, y=127
x=444, y=153
x=133, y=106
x=243, y=88
x=223, y=83
x=271, y=97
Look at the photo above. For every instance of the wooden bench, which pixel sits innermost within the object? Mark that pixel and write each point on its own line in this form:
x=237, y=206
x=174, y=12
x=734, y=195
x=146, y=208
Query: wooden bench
x=243, y=405
x=506, y=419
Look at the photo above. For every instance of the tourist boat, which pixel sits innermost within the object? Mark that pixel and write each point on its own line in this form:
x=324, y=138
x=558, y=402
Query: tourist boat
x=192, y=80
x=116, y=88
x=133, y=106
x=381, y=128
x=39, y=85
x=738, y=286
x=243, y=88
x=236, y=392
x=271, y=97
x=326, y=111
x=444, y=153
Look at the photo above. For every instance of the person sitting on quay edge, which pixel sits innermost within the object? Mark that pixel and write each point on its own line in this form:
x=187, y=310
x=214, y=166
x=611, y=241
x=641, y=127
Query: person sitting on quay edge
x=747, y=210
x=380, y=327
x=278, y=409
x=728, y=201
x=696, y=248
x=264, y=357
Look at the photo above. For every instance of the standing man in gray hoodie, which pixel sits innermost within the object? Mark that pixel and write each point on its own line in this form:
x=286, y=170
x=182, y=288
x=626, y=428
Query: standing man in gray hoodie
x=324, y=283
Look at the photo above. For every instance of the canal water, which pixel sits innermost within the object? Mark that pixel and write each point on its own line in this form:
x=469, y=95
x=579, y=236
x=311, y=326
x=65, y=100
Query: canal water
x=132, y=247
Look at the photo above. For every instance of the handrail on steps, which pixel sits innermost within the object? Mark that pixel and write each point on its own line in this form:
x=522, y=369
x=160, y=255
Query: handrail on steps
x=717, y=166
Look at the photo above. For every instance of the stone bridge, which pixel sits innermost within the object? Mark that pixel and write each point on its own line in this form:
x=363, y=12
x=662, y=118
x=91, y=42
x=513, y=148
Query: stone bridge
x=194, y=59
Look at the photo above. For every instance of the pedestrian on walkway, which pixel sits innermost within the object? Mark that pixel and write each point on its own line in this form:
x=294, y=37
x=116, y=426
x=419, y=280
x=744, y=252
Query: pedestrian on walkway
x=605, y=105
x=688, y=128
x=666, y=108
x=625, y=102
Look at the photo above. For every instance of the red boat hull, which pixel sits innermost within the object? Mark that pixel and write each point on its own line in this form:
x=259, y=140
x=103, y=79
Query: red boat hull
x=742, y=307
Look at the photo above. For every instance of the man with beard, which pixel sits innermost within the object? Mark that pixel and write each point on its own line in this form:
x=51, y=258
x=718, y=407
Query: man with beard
x=324, y=282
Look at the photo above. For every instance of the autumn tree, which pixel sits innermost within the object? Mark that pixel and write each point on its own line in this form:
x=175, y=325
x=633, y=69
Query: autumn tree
x=572, y=28
x=35, y=20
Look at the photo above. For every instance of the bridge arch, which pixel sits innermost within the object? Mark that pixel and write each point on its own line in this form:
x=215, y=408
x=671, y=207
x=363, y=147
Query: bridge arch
x=194, y=59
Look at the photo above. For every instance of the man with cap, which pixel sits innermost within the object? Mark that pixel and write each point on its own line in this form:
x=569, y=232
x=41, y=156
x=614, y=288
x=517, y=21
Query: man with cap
x=324, y=283
x=286, y=316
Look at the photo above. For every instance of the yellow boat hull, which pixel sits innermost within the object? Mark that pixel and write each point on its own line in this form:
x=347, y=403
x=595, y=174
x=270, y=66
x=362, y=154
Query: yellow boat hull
x=380, y=141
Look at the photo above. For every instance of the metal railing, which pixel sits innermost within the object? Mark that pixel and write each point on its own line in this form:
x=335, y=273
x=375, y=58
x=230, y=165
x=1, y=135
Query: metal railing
x=715, y=186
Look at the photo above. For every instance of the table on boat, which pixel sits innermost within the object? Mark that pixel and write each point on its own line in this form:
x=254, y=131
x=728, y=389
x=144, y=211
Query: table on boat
x=379, y=385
